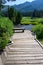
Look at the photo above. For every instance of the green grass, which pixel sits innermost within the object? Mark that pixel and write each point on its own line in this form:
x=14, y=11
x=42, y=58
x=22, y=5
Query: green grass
x=33, y=21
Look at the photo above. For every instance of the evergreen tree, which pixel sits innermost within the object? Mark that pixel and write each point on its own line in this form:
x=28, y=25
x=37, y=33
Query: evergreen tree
x=9, y=0
x=11, y=13
x=0, y=5
x=14, y=15
x=18, y=18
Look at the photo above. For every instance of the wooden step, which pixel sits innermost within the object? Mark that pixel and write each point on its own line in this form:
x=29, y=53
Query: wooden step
x=24, y=42
x=20, y=46
x=22, y=64
x=31, y=50
x=25, y=58
x=25, y=49
x=12, y=53
x=25, y=61
x=26, y=55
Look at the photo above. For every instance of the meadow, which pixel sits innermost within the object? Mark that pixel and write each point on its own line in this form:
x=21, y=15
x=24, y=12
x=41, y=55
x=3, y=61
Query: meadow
x=29, y=20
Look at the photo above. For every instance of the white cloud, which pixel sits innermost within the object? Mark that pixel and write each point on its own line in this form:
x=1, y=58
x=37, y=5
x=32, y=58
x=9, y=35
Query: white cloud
x=17, y=2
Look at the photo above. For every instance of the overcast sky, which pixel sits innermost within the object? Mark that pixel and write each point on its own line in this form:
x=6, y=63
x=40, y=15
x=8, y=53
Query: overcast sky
x=17, y=2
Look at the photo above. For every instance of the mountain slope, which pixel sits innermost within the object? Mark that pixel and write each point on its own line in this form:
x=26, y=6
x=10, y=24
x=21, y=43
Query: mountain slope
x=21, y=6
x=27, y=6
x=37, y=4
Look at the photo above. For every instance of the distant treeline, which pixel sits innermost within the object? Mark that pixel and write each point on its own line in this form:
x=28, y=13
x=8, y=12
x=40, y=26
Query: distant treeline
x=35, y=13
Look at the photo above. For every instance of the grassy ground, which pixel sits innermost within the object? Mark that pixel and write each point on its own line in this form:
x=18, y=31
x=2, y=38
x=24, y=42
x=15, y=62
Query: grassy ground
x=29, y=20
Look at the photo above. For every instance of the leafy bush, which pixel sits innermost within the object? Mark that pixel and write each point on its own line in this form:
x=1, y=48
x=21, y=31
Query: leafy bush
x=38, y=30
x=6, y=31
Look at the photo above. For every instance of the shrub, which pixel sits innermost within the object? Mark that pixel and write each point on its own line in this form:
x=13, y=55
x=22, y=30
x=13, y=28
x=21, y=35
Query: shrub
x=38, y=30
x=6, y=31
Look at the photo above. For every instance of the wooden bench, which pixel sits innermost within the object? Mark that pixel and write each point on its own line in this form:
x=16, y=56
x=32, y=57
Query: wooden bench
x=18, y=30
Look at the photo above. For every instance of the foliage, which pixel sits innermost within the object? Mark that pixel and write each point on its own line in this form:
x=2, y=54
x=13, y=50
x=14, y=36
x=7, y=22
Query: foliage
x=14, y=15
x=6, y=27
x=9, y=0
x=18, y=18
x=33, y=21
x=0, y=4
x=34, y=13
x=10, y=13
x=38, y=30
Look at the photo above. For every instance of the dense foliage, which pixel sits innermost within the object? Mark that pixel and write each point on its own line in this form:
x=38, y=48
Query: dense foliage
x=14, y=15
x=34, y=13
x=38, y=30
x=18, y=18
x=6, y=30
x=0, y=4
x=11, y=13
x=33, y=21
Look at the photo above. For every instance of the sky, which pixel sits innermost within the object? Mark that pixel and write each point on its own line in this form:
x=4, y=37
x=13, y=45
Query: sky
x=17, y=2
